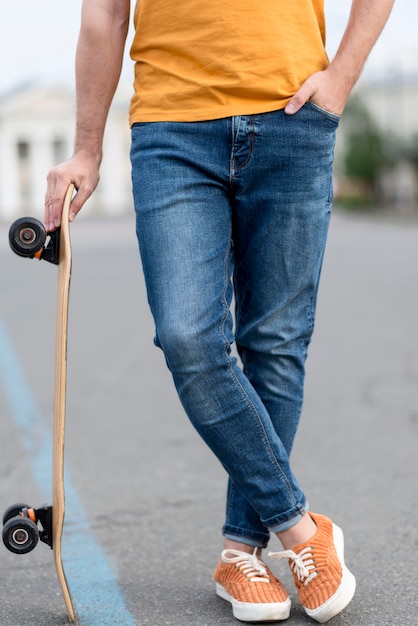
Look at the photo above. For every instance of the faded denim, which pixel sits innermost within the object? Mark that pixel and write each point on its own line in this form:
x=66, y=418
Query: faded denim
x=234, y=213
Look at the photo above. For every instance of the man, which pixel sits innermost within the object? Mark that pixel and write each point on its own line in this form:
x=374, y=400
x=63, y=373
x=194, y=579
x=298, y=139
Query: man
x=233, y=126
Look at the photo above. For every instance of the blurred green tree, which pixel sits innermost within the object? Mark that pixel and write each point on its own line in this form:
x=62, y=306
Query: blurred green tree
x=366, y=153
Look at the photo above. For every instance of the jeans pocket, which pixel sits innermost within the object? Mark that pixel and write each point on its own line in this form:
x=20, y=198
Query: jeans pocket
x=331, y=116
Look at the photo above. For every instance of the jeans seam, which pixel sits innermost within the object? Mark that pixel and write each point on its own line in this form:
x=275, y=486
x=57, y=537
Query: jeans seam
x=244, y=395
x=232, y=163
x=262, y=431
x=250, y=151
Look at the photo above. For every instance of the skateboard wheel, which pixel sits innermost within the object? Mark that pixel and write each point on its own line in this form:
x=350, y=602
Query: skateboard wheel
x=27, y=236
x=13, y=510
x=20, y=535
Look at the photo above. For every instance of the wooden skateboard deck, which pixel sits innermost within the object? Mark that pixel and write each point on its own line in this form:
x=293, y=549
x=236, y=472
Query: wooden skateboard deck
x=60, y=391
x=21, y=532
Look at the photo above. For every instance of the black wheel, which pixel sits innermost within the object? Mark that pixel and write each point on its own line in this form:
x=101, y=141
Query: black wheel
x=13, y=510
x=27, y=236
x=20, y=535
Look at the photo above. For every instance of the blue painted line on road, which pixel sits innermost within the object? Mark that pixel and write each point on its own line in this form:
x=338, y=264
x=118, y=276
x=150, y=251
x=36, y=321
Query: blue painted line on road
x=90, y=575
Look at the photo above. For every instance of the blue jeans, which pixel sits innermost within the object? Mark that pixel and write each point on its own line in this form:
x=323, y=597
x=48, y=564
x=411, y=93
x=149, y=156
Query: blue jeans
x=237, y=210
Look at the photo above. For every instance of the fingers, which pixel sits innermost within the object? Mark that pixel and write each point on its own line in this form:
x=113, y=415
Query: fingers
x=326, y=89
x=57, y=187
x=83, y=175
x=77, y=202
x=305, y=93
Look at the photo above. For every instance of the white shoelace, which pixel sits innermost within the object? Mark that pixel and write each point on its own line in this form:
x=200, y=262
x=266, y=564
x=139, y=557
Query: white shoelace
x=248, y=564
x=303, y=564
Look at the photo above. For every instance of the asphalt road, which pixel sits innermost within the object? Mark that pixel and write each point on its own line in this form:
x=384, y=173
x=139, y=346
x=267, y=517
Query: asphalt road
x=145, y=497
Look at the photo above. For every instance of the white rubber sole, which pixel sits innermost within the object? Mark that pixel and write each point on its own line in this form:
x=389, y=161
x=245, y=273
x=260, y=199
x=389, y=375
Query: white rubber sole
x=255, y=611
x=345, y=592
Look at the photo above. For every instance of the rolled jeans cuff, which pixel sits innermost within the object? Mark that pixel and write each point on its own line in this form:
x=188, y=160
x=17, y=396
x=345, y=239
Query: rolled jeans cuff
x=281, y=526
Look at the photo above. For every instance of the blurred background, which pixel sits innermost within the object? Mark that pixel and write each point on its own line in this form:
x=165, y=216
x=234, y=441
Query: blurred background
x=144, y=494
x=377, y=149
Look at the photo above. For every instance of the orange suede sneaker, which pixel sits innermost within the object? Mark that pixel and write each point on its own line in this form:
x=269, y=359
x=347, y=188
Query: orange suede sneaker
x=324, y=583
x=254, y=592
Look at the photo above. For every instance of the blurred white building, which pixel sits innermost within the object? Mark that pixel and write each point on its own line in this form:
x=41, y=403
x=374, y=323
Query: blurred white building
x=393, y=101
x=37, y=131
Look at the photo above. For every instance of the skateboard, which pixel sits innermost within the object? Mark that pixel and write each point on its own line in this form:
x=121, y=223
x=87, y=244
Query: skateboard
x=24, y=525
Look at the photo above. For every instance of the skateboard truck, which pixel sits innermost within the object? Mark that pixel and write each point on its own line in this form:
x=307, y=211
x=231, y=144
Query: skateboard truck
x=44, y=517
x=27, y=238
x=21, y=532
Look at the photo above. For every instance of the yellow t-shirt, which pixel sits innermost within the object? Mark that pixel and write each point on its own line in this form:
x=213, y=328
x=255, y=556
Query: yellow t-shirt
x=207, y=59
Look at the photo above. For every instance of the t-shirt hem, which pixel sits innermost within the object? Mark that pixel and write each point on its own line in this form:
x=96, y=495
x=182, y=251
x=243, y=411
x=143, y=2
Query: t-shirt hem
x=145, y=115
